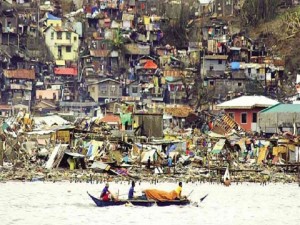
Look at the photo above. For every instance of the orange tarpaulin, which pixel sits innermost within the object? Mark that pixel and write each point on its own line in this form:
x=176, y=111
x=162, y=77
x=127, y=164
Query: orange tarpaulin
x=160, y=195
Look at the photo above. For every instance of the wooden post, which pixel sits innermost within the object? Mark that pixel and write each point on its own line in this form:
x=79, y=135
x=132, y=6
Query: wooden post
x=298, y=173
x=1, y=153
x=175, y=163
x=298, y=166
x=141, y=158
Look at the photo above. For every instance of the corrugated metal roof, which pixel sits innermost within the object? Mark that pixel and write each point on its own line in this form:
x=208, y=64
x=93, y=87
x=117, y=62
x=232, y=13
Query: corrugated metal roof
x=216, y=57
x=174, y=73
x=137, y=49
x=5, y=107
x=205, y=1
x=286, y=108
x=78, y=104
x=111, y=119
x=99, y=53
x=65, y=71
x=63, y=29
x=50, y=121
x=20, y=74
x=247, y=102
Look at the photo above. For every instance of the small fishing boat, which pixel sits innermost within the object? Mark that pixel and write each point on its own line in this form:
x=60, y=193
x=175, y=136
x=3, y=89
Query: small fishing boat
x=138, y=202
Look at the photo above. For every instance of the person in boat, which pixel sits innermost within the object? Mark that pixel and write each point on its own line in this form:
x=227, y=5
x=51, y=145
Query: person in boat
x=105, y=194
x=169, y=164
x=148, y=163
x=227, y=182
x=178, y=191
x=131, y=191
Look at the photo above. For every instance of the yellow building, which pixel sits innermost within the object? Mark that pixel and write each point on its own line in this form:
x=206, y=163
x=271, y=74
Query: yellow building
x=63, y=43
x=53, y=21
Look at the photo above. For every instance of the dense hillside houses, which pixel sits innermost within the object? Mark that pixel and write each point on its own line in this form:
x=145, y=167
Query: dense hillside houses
x=79, y=56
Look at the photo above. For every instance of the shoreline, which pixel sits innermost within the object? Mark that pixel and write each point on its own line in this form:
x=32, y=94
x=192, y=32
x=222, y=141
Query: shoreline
x=86, y=176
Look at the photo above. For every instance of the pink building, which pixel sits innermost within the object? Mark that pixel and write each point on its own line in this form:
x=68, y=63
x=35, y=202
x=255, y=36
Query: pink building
x=244, y=110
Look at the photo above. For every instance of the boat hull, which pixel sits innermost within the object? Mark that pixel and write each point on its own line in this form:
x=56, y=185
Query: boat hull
x=137, y=202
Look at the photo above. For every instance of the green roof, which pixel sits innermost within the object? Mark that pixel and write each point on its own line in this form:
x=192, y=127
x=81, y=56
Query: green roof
x=292, y=108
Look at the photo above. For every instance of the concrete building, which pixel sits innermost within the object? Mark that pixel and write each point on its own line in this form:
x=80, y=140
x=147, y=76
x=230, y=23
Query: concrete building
x=63, y=44
x=280, y=118
x=244, y=110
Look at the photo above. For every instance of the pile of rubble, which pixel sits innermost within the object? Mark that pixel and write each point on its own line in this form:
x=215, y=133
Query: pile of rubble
x=195, y=156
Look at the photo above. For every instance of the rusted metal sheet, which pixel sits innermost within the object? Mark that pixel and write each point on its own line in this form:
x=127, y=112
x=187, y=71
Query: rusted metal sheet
x=99, y=53
x=20, y=74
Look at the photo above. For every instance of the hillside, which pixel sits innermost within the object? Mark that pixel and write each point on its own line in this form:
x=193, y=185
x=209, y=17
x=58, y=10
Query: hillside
x=281, y=36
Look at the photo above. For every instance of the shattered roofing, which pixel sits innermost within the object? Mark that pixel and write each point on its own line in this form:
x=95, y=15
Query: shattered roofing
x=182, y=111
x=20, y=74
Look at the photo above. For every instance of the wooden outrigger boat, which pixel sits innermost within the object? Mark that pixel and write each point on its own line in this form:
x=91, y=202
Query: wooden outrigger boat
x=138, y=202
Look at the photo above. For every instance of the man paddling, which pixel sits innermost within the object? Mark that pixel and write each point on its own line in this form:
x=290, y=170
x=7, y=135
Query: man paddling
x=178, y=191
x=105, y=194
x=131, y=190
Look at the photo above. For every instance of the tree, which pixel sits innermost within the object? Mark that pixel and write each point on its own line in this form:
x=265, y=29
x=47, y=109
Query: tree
x=175, y=32
x=203, y=95
x=255, y=11
x=188, y=83
x=117, y=43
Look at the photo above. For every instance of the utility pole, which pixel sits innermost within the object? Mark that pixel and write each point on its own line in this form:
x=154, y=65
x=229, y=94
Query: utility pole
x=1, y=153
x=38, y=18
x=298, y=152
x=265, y=80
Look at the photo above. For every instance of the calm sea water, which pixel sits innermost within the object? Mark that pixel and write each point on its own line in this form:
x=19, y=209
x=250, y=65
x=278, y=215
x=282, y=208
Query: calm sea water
x=39, y=203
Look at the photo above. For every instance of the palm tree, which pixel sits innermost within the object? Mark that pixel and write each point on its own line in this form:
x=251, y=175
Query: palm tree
x=117, y=44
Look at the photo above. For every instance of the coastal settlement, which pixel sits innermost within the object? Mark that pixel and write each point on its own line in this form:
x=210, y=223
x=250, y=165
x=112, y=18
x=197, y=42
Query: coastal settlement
x=94, y=91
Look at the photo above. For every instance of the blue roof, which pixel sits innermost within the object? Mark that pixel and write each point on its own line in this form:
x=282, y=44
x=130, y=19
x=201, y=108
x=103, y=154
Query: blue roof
x=51, y=17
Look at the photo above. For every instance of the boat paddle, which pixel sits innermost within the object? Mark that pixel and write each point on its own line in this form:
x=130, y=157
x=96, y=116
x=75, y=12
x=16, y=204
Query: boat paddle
x=201, y=199
x=189, y=194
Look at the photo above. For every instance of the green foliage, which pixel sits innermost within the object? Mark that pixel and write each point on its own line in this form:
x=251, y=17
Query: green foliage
x=118, y=40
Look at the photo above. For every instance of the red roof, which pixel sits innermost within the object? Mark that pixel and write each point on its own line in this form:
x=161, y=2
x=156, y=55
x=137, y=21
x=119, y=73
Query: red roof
x=150, y=65
x=65, y=71
x=111, y=119
x=20, y=74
